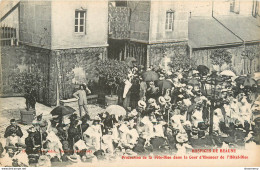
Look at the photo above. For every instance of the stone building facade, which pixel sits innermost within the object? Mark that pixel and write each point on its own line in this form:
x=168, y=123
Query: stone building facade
x=168, y=30
x=233, y=26
x=148, y=41
x=63, y=39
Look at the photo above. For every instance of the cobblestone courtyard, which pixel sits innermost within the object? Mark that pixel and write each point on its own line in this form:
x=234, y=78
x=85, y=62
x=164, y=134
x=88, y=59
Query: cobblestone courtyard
x=10, y=108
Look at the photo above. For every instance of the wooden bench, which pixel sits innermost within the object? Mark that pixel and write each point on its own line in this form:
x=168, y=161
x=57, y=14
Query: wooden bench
x=92, y=99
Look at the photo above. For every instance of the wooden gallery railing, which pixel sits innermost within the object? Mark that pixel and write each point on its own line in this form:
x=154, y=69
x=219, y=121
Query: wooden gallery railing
x=8, y=36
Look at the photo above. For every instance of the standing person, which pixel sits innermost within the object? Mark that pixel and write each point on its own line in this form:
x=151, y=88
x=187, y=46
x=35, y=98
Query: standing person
x=143, y=89
x=82, y=98
x=30, y=97
x=73, y=133
x=135, y=91
x=127, y=93
x=152, y=91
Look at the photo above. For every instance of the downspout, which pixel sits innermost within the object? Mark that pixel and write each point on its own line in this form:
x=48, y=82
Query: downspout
x=190, y=51
x=148, y=47
x=190, y=47
x=224, y=25
x=19, y=21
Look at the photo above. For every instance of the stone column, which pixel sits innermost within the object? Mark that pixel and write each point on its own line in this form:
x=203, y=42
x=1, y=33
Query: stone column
x=54, y=82
x=1, y=77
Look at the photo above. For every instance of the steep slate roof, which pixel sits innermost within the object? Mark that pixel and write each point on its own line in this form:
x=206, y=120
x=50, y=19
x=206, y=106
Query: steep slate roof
x=247, y=28
x=207, y=32
x=7, y=7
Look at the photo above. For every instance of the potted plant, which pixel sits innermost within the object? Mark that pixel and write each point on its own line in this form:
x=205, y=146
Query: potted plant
x=112, y=73
x=25, y=80
x=29, y=84
x=219, y=57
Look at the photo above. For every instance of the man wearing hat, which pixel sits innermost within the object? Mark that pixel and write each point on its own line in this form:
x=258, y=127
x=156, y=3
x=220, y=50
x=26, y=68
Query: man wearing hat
x=29, y=141
x=167, y=99
x=73, y=132
x=224, y=93
x=141, y=105
x=151, y=102
x=141, y=109
x=84, y=124
x=40, y=123
x=39, y=138
x=81, y=95
x=162, y=101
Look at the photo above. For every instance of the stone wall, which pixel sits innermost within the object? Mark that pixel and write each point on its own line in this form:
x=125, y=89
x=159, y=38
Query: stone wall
x=240, y=64
x=118, y=22
x=174, y=51
x=63, y=35
x=57, y=68
x=139, y=20
x=12, y=20
x=157, y=32
x=73, y=67
x=35, y=28
x=23, y=58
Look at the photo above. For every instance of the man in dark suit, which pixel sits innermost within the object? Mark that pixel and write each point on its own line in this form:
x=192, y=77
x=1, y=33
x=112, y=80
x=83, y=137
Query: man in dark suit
x=13, y=125
x=30, y=97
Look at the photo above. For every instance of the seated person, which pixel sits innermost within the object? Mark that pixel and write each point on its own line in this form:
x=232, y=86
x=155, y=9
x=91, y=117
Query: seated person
x=13, y=139
x=21, y=157
x=29, y=142
x=132, y=135
x=40, y=123
x=7, y=159
x=15, y=128
x=93, y=134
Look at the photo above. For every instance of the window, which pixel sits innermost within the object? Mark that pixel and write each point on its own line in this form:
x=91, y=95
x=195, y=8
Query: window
x=109, y=27
x=169, y=20
x=121, y=3
x=234, y=6
x=80, y=21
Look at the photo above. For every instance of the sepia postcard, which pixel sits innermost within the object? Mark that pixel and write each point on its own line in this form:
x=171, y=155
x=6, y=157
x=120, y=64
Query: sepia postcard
x=130, y=83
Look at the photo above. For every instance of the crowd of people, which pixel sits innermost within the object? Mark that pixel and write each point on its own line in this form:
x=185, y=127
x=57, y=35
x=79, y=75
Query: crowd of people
x=174, y=114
